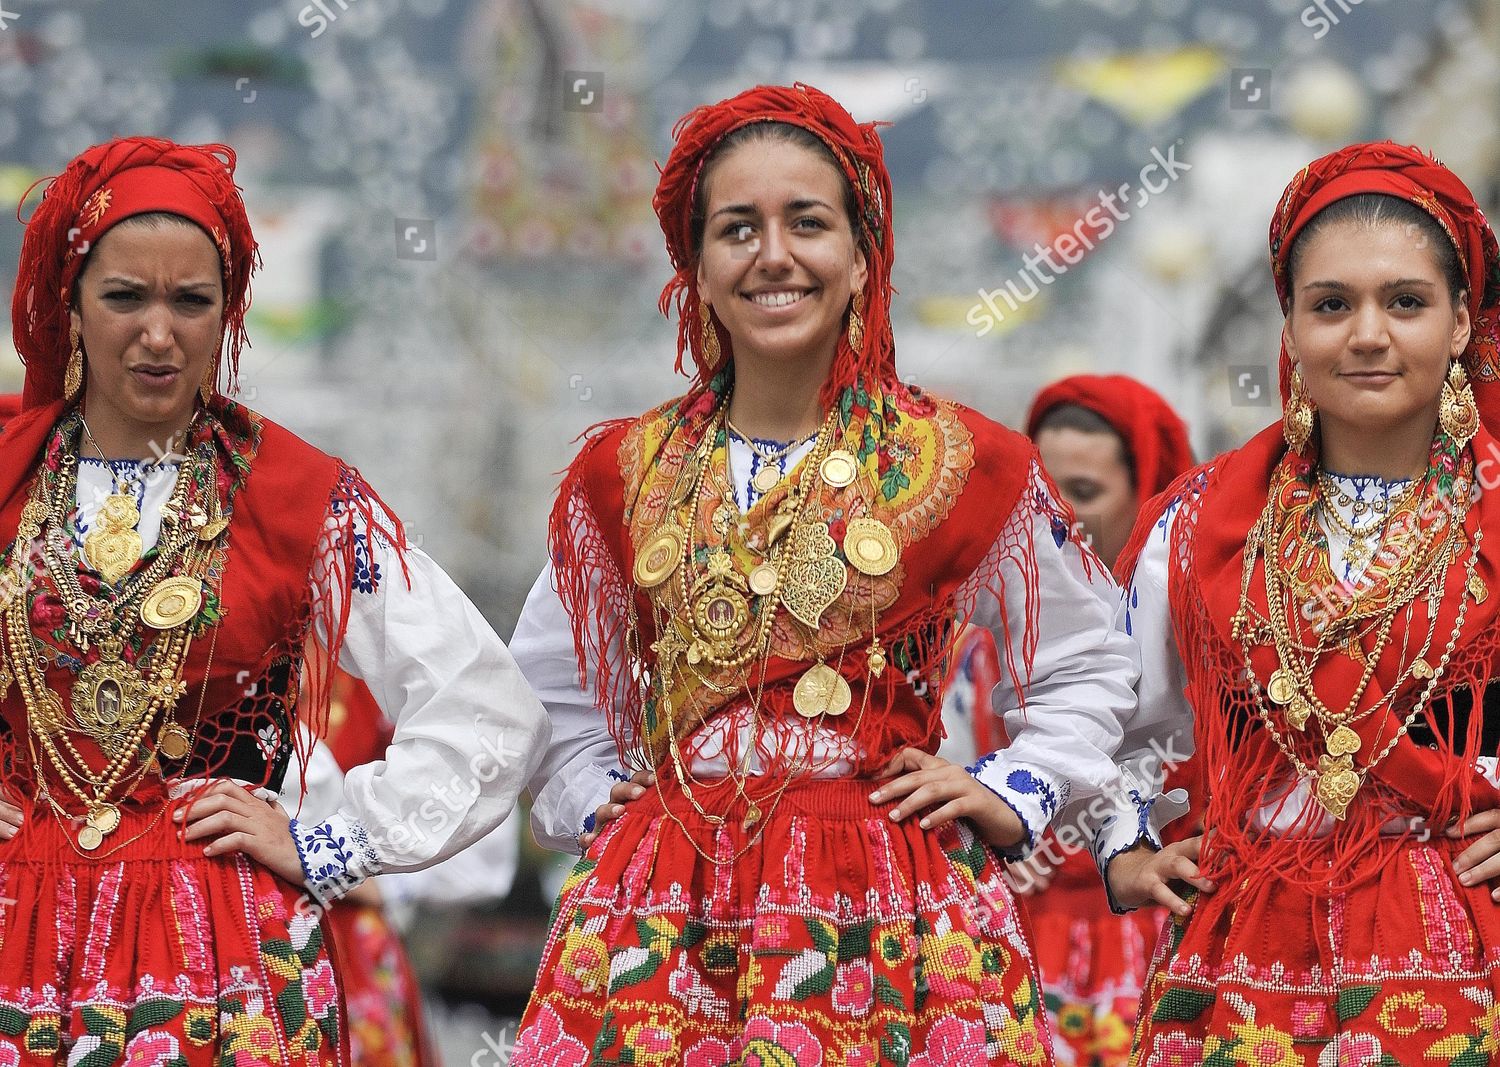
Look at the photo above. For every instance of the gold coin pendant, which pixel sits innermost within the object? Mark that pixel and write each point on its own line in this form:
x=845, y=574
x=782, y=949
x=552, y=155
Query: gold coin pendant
x=105, y=818
x=173, y=742
x=1281, y=688
x=173, y=602
x=658, y=557
x=839, y=468
x=765, y=479
x=869, y=546
x=90, y=837
x=764, y=579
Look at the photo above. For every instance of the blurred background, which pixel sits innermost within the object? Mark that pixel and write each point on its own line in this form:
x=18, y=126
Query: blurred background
x=462, y=266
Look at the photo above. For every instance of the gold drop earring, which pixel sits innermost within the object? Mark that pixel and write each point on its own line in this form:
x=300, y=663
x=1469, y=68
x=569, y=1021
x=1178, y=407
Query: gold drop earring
x=1297, y=419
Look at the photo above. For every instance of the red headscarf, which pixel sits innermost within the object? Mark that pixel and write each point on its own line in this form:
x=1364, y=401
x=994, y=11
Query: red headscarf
x=860, y=156
x=1219, y=506
x=1412, y=175
x=1155, y=436
x=104, y=186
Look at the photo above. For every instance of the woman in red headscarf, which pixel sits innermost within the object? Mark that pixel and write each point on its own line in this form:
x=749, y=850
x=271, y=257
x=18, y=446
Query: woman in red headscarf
x=751, y=603
x=170, y=558
x=1110, y=443
x=1322, y=603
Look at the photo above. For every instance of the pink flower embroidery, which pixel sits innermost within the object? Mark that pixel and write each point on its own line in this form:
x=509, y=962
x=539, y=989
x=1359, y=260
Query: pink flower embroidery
x=953, y=1040
x=764, y=1038
x=319, y=989
x=771, y=931
x=150, y=1049
x=710, y=1052
x=1176, y=1050
x=1308, y=1018
x=1351, y=1050
x=854, y=988
x=545, y=1043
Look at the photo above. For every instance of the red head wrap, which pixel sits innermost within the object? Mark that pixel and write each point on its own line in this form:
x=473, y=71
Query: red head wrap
x=1155, y=436
x=857, y=148
x=1412, y=175
x=104, y=186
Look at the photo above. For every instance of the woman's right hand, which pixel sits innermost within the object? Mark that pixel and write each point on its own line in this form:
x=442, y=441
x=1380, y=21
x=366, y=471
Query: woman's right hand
x=10, y=820
x=1141, y=876
x=622, y=793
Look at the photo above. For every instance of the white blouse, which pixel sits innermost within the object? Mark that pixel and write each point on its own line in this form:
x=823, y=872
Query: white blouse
x=468, y=731
x=1081, y=690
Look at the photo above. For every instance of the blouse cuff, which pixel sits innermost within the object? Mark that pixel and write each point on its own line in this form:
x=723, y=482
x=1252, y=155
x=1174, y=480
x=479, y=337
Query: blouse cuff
x=592, y=818
x=1032, y=793
x=337, y=855
x=1132, y=816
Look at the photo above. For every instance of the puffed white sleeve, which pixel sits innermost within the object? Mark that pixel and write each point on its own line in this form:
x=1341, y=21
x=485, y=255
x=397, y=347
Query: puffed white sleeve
x=582, y=763
x=1160, y=734
x=468, y=730
x=1069, y=722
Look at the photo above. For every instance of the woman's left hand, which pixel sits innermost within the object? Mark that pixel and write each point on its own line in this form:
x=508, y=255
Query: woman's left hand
x=927, y=781
x=233, y=819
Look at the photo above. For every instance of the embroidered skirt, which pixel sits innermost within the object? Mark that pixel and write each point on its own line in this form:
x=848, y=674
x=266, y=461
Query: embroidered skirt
x=156, y=956
x=1093, y=964
x=1402, y=969
x=837, y=938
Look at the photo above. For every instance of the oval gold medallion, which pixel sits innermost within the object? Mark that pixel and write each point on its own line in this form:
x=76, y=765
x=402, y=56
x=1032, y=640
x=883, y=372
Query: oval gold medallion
x=764, y=579
x=1281, y=688
x=765, y=479
x=821, y=691
x=173, y=602
x=173, y=742
x=658, y=557
x=105, y=818
x=840, y=468
x=90, y=838
x=869, y=546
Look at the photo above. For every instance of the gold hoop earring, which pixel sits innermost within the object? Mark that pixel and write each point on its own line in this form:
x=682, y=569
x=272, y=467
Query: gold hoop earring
x=1297, y=419
x=857, y=322
x=1458, y=414
x=709, y=338
x=73, y=372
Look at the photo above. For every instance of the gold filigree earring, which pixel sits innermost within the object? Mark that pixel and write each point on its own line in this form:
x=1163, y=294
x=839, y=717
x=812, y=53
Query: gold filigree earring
x=709, y=336
x=1297, y=419
x=73, y=372
x=857, y=322
x=1458, y=415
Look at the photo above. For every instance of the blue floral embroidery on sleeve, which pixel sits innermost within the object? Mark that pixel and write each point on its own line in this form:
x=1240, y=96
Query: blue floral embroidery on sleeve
x=1143, y=814
x=366, y=570
x=1028, y=784
x=982, y=763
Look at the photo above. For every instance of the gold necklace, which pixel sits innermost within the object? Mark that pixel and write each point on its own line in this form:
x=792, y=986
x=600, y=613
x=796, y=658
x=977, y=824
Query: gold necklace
x=812, y=697
x=1336, y=779
x=770, y=472
x=113, y=546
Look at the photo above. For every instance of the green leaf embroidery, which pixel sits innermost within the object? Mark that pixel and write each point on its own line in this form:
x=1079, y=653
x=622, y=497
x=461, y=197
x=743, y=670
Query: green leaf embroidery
x=292, y=1007
x=854, y=943
x=1178, y=1005
x=1353, y=1000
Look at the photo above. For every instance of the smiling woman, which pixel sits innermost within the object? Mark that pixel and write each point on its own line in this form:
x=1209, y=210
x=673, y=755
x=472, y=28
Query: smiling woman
x=760, y=584
x=176, y=567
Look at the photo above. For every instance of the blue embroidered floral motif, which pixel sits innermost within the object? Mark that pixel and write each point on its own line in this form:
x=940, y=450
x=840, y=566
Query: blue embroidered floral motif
x=1143, y=814
x=1028, y=784
x=324, y=856
x=589, y=822
x=366, y=570
x=982, y=763
x=1059, y=531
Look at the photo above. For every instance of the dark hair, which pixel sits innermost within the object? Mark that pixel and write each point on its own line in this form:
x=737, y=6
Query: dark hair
x=1085, y=420
x=1378, y=209
x=777, y=132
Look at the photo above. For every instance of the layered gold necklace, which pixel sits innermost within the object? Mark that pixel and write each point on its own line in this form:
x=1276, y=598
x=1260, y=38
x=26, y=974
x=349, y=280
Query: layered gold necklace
x=120, y=703
x=798, y=570
x=1363, y=630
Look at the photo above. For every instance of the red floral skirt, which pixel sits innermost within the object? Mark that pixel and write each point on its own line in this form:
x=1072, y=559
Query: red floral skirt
x=1402, y=969
x=837, y=938
x=1093, y=964
x=381, y=996
x=156, y=956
